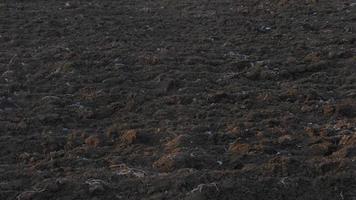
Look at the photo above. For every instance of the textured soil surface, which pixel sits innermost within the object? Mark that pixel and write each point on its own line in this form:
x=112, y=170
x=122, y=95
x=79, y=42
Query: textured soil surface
x=168, y=99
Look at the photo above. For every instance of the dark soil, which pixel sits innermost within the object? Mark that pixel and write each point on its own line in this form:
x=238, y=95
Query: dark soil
x=188, y=99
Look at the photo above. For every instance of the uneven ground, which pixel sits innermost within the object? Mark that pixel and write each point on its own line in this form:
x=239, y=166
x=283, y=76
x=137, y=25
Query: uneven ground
x=168, y=99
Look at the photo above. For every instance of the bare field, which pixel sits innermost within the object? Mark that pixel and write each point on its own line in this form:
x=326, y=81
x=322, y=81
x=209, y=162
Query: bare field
x=190, y=99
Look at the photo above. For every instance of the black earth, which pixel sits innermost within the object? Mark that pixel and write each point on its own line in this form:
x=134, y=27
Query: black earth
x=168, y=99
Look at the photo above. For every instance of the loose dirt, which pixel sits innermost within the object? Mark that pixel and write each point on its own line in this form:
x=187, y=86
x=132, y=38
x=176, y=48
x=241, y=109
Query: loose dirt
x=189, y=99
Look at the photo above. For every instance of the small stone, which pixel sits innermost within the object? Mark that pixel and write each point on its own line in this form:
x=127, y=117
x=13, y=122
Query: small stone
x=24, y=156
x=169, y=162
x=96, y=186
x=312, y=57
x=268, y=74
x=328, y=109
x=253, y=73
x=165, y=85
x=285, y=140
x=239, y=148
x=312, y=131
x=27, y=195
x=92, y=141
x=219, y=97
x=321, y=149
x=348, y=140
x=150, y=59
x=177, y=142
x=114, y=81
x=129, y=137
x=179, y=160
x=306, y=108
x=8, y=75
x=51, y=100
